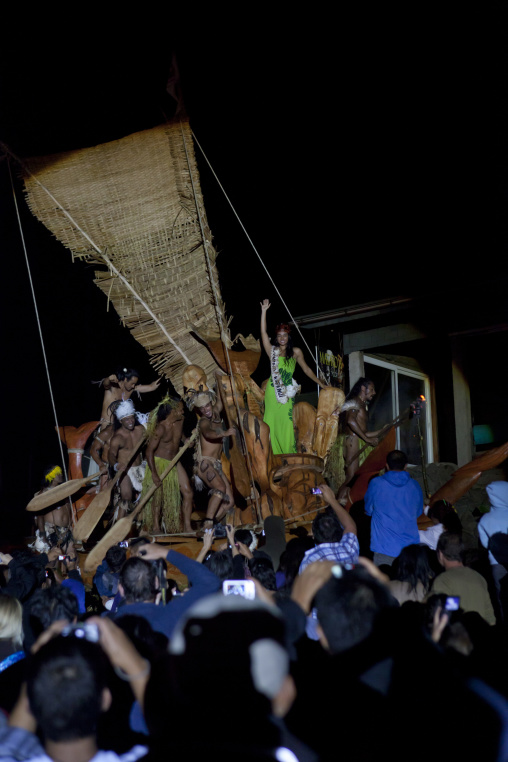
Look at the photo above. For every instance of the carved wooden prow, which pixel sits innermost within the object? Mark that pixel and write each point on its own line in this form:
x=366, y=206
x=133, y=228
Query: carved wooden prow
x=75, y=440
x=239, y=471
x=466, y=476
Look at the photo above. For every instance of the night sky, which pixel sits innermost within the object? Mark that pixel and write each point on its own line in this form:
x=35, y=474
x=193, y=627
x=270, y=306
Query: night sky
x=366, y=158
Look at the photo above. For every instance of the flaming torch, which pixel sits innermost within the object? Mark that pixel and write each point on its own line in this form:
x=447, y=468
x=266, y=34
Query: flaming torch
x=416, y=411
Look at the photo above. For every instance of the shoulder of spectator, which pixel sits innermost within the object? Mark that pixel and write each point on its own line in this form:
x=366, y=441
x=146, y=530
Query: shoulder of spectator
x=18, y=744
x=191, y=568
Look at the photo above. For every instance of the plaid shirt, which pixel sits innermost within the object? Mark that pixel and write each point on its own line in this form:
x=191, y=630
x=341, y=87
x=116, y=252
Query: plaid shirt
x=344, y=552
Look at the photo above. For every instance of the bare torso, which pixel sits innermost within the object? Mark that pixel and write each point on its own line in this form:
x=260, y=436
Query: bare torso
x=211, y=433
x=57, y=516
x=117, y=391
x=168, y=436
x=113, y=394
x=122, y=444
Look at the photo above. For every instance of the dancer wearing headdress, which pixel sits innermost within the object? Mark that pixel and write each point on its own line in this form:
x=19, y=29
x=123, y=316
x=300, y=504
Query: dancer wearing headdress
x=208, y=467
x=53, y=526
x=282, y=388
x=165, y=432
x=129, y=430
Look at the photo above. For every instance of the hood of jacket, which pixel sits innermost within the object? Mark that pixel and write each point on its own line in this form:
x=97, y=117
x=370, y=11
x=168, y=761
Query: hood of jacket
x=397, y=478
x=498, y=494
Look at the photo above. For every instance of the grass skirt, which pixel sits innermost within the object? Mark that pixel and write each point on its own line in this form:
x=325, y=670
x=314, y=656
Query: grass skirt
x=335, y=472
x=167, y=497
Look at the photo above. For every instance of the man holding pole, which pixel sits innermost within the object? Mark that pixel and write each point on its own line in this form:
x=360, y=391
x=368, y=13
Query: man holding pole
x=354, y=417
x=165, y=431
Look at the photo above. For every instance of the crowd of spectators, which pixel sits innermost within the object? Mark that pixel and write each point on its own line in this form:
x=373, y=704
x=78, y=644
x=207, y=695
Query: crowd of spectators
x=335, y=657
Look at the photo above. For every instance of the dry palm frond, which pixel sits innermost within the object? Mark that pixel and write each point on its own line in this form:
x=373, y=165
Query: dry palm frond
x=133, y=198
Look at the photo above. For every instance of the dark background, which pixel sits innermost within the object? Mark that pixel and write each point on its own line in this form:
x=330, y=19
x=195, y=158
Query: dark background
x=365, y=154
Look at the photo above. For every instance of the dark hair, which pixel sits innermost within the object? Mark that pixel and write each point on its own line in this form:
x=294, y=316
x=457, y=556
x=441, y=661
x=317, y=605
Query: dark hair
x=113, y=406
x=116, y=557
x=412, y=566
x=49, y=605
x=150, y=643
x=291, y=559
x=167, y=409
x=446, y=515
x=244, y=536
x=221, y=564
x=32, y=570
x=451, y=546
x=262, y=570
x=66, y=678
x=138, y=580
x=289, y=347
x=355, y=391
x=123, y=374
x=326, y=528
x=396, y=460
x=347, y=608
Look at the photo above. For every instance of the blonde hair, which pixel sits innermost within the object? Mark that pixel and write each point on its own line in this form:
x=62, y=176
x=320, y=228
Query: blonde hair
x=11, y=621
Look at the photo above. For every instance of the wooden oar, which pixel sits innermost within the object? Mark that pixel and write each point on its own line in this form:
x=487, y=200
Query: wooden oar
x=400, y=419
x=121, y=529
x=88, y=521
x=59, y=493
x=239, y=470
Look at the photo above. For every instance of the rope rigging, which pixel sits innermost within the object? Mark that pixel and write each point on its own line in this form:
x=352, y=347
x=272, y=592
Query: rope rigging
x=43, y=347
x=224, y=336
x=252, y=243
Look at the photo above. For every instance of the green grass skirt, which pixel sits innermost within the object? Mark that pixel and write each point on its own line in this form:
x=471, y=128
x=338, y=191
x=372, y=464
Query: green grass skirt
x=167, y=499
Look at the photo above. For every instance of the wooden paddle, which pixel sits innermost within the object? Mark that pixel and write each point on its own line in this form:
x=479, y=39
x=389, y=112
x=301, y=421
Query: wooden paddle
x=398, y=421
x=59, y=493
x=88, y=521
x=121, y=529
x=240, y=474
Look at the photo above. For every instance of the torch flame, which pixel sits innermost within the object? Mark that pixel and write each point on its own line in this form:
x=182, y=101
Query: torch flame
x=422, y=398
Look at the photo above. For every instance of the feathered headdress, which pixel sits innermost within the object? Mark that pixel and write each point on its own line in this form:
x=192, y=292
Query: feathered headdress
x=200, y=399
x=125, y=409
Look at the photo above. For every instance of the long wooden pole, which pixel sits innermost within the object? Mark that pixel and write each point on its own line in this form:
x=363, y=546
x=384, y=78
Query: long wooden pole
x=386, y=428
x=121, y=529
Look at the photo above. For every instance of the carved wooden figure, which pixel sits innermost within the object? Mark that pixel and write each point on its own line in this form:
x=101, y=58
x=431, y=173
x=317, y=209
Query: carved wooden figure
x=75, y=441
x=304, y=422
x=327, y=425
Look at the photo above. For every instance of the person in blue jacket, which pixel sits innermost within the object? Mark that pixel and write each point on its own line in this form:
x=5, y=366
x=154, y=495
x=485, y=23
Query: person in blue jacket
x=394, y=500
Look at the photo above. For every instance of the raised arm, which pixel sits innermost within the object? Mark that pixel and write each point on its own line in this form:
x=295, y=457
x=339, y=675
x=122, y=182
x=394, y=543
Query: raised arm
x=265, y=305
x=141, y=388
x=348, y=523
x=298, y=355
x=110, y=381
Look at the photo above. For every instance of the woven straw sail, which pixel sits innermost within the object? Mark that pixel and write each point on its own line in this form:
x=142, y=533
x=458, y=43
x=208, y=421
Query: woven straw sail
x=135, y=200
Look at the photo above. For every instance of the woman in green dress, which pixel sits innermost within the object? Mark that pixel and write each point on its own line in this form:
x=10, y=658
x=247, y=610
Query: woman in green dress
x=281, y=388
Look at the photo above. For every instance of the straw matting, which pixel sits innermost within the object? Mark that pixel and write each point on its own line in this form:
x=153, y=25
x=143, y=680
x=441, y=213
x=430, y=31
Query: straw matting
x=134, y=198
